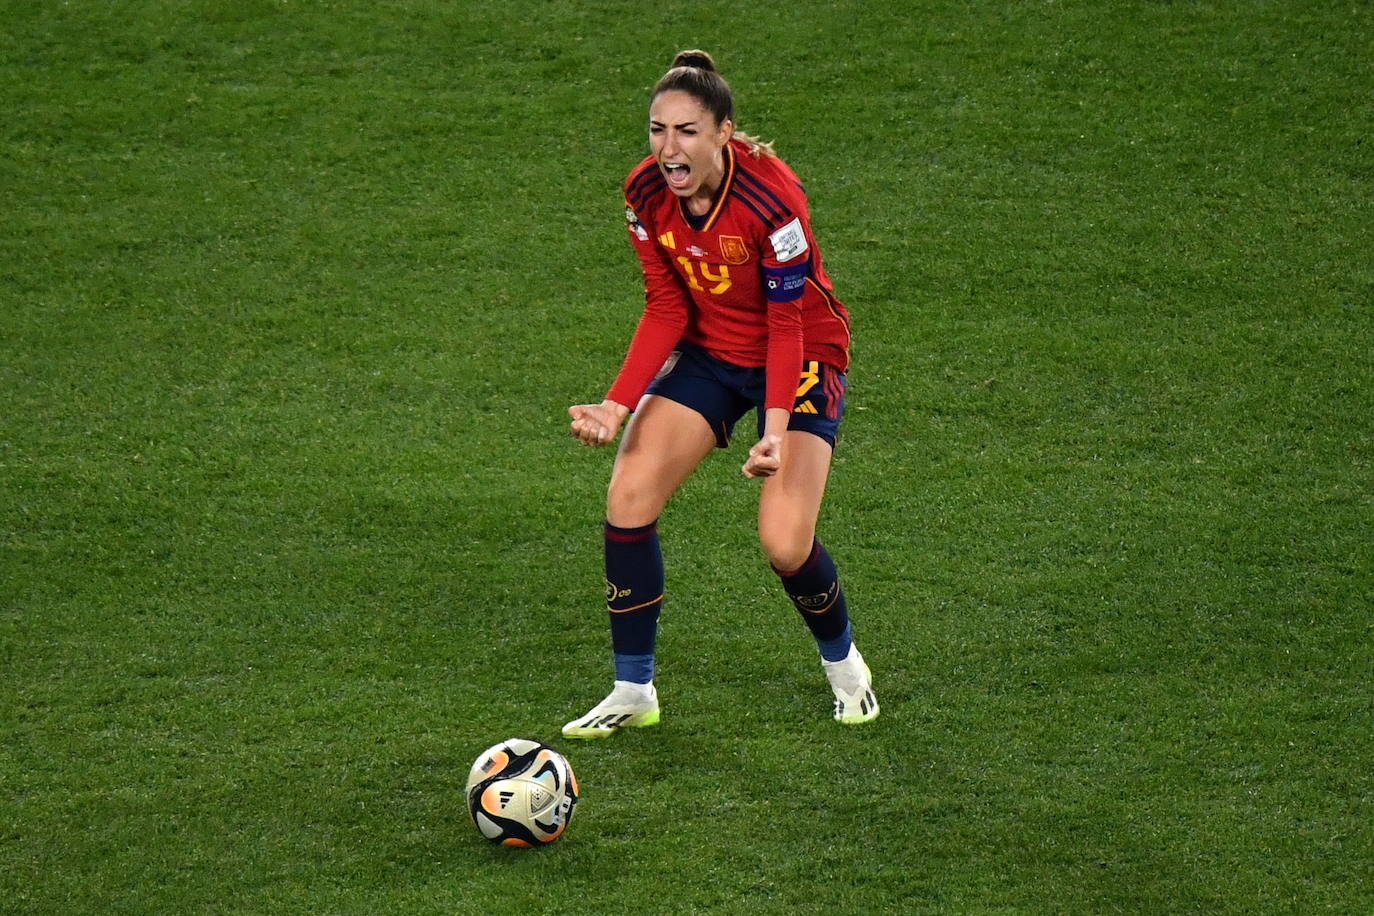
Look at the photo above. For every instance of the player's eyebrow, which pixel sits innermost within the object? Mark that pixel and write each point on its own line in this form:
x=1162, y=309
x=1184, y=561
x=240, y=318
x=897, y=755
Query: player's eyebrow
x=653, y=123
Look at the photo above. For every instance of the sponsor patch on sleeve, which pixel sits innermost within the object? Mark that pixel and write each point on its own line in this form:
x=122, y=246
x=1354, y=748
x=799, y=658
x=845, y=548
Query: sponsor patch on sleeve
x=789, y=241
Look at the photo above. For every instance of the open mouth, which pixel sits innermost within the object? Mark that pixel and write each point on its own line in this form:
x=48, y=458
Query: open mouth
x=678, y=174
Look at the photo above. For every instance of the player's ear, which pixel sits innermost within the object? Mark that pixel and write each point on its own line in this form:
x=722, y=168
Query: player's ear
x=725, y=131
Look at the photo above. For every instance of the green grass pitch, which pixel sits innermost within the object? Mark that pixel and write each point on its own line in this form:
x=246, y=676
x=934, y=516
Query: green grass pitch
x=294, y=295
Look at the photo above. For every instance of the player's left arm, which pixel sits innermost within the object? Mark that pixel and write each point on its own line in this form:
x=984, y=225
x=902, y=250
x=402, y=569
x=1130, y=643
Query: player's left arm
x=785, y=267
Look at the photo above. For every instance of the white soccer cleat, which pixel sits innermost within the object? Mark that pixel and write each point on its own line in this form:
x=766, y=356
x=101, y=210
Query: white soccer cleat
x=852, y=683
x=628, y=705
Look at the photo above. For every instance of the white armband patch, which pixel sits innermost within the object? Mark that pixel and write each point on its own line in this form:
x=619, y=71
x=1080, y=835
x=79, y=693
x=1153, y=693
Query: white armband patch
x=789, y=241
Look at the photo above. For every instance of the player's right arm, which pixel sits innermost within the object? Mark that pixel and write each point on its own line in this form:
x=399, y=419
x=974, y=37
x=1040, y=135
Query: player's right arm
x=661, y=326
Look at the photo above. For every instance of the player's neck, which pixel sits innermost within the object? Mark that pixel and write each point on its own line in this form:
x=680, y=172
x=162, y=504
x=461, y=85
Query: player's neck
x=699, y=204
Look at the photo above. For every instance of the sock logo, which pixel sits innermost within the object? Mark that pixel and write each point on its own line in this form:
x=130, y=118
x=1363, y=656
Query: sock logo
x=817, y=604
x=614, y=591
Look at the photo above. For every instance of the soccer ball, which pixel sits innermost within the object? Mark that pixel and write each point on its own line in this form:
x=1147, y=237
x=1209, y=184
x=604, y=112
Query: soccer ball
x=521, y=793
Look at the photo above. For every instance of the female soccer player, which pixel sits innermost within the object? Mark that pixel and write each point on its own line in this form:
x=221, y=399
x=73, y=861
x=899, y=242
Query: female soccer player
x=738, y=314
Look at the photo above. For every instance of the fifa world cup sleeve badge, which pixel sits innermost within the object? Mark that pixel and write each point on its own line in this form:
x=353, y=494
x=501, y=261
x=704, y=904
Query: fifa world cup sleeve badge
x=789, y=241
x=634, y=225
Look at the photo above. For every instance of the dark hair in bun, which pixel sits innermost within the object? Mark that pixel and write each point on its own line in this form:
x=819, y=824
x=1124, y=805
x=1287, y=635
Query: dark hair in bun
x=698, y=59
x=694, y=72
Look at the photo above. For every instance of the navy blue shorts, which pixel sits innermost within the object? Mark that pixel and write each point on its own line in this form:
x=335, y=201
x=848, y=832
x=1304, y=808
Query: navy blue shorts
x=723, y=392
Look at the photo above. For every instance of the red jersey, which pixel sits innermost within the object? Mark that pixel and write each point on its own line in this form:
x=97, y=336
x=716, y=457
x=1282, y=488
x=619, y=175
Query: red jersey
x=744, y=281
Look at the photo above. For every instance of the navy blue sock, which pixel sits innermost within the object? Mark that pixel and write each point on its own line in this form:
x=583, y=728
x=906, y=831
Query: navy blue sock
x=634, y=598
x=814, y=588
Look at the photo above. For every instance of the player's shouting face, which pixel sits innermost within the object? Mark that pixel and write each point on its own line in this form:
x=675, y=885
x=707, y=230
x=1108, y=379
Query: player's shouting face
x=687, y=141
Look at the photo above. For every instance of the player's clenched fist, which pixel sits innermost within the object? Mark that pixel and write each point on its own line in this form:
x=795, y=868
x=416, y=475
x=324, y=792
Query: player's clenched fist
x=764, y=458
x=597, y=424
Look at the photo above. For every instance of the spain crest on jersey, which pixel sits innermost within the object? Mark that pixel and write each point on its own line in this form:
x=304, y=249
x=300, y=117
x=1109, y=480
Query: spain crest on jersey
x=733, y=249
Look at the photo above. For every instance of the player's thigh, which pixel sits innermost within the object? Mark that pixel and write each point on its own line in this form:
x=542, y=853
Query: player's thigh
x=790, y=501
x=661, y=446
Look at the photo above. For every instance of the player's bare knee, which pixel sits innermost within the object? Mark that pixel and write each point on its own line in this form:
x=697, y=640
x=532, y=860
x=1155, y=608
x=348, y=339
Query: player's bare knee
x=785, y=550
x=629, y=505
